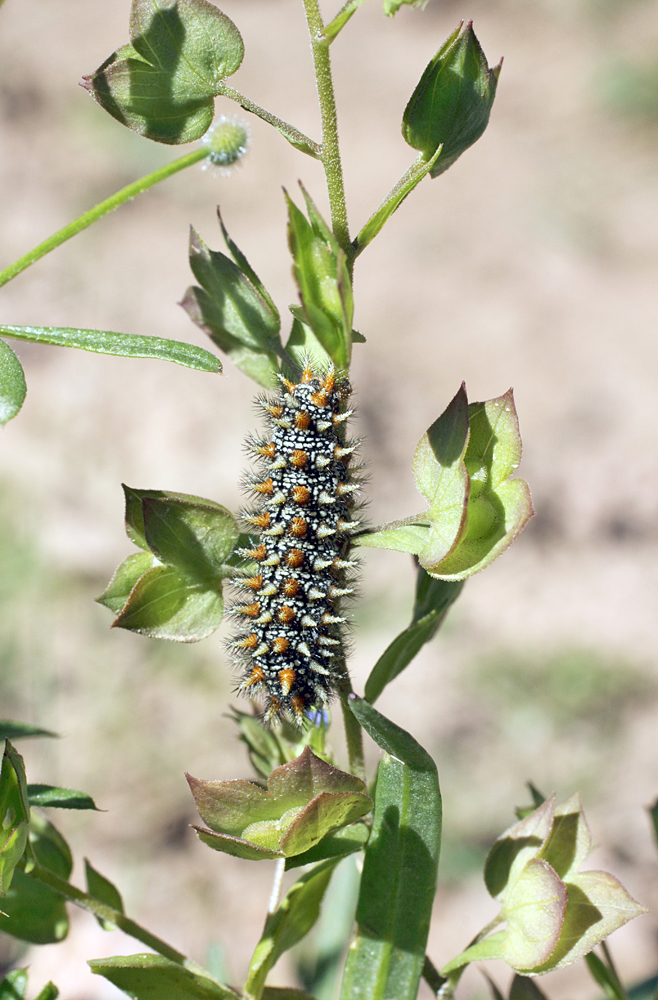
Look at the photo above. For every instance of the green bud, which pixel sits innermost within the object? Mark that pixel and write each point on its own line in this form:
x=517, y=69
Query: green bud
x=452, y=102
x=305, y=800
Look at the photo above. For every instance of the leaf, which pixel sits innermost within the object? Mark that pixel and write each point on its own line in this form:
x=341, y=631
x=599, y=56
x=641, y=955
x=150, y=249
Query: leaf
x=391, y=7
x=524, y=988
x=105, y=891
x=534, y=909
x=49, y=796
x=11, y=730
x=516, y=846
x=345, y=841
x=35, y=912
x=433, y=600
x=293, y=919
x=489, y=948
x=462, y=467
x=570, y=841
x=306, y=799
x=332, y=29
x=322, y=276
x=164, y=604
x=14, y=815
x=14, y=985
x=398, y=884
x=12, y=384
x=152, y=977
x=163, y=84
x=49, y=992
x=234, y=309
x=598, y=904
x=451, y=105
x=124, y=345
x=125, y=577
x=195, y=538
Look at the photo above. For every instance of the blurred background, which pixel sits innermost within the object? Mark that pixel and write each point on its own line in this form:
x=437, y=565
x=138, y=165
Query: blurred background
x=533, y=262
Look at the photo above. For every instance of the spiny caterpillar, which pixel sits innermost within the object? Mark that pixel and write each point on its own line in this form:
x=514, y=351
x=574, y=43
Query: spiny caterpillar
x=291, y=646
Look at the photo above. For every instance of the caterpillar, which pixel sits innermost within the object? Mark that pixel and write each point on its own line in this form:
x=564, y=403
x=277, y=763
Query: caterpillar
x=291, y=643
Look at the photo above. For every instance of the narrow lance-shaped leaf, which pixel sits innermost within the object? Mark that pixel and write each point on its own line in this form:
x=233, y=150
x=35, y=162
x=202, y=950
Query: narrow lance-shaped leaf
x=163, y=84
x=451, y=105
x=12, y=384
x=12, y=730
x=102, y=889
x=123, y=345
x=398, y=884
x=52, y=797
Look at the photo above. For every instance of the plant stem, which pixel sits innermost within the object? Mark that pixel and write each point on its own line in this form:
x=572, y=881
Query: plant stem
x=292, y=134
x=277, y=881
x=330, y=149
x=105, y=912
x=125, y=194
x=353, y=731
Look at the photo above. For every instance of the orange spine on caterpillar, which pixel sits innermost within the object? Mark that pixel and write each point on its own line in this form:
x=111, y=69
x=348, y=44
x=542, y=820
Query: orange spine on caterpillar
x=291, y=647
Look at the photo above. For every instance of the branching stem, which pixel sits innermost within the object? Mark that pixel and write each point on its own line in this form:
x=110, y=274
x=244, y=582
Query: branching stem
x=120, y=920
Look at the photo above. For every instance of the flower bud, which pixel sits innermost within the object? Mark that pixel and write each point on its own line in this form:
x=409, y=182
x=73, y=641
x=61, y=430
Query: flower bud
x=452, y=102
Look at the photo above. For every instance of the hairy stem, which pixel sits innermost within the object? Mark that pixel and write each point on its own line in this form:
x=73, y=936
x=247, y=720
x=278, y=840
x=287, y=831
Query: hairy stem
x=125, y=194
x=105, y=912
x=330, y=149
x=292, y=134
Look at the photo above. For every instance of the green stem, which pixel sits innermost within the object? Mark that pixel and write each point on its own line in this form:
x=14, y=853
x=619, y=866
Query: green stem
x=353, y=730
x=105, y=912
x=125, y=194
x=292, y=134
x=330, y=148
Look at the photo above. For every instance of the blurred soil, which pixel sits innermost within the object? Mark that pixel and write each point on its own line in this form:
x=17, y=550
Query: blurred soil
x=533, y=262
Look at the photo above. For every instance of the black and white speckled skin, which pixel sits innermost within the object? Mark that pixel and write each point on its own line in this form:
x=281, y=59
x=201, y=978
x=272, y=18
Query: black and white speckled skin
x=291, y=644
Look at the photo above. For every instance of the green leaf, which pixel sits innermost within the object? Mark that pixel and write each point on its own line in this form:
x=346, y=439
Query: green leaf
x=35, y=912
x=125, y=577
x=289, y=924
x=306, y=799
x=163, y=85
x=266, y=750
x=516, y=846
x=234, y=309
x=284, y=993
x=195, y=538
x=14, y=985
x=462, y=467
x=12, y=384
x=489, y=948
x=174, y=589
x=342, y=17
x=524, y=988
x=451, y=105
x=105, y=891
x=433, y=600
x=336, y=845
x=570, y=841
x=322, y=276
x=534, y=909
x=14, y=815
x=49, y=992
x=11, y=730
x=606, y=977
x=124, y=345
x=164, y=604
x=152, y=977
x=598, y=904
x=49, y=796
x=400, y=868
x=391, y=7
